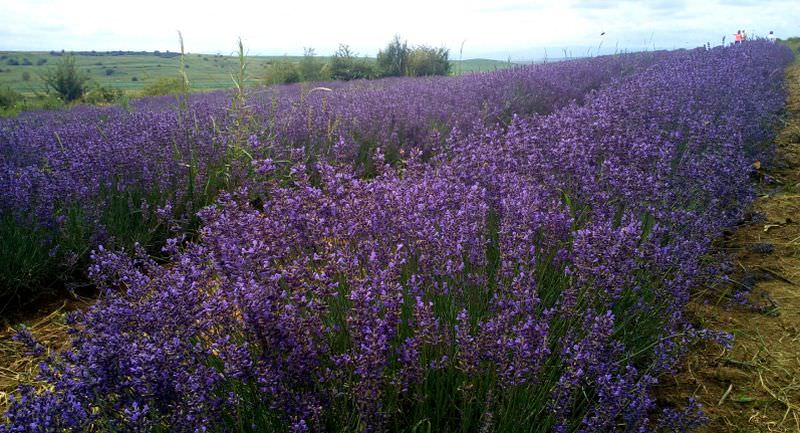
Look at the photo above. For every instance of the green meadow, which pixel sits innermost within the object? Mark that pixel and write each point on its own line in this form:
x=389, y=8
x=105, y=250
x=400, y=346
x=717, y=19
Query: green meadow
x=21, y=70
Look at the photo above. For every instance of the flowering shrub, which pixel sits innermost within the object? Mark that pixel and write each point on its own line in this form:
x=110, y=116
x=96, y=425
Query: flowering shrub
x=529, y=276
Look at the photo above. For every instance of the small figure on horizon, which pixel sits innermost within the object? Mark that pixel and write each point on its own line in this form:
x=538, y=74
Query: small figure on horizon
x=744, y=35
x=738, y=39
x=771, y=37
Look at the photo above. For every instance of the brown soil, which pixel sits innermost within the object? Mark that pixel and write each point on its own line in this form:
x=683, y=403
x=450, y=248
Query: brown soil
x=755, y=386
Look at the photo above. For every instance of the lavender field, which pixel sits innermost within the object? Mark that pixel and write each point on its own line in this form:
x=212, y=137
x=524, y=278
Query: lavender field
x=500, y=252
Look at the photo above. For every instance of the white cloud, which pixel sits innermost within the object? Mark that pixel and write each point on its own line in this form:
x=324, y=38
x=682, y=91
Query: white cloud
x=498, y=28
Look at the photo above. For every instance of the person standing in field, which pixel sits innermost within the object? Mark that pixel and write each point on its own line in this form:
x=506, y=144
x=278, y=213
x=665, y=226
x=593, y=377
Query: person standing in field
x=771, y=37
x=744, y=35
x=738, y=37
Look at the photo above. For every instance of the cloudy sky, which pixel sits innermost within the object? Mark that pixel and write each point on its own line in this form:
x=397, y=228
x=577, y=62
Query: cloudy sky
x=498, y=28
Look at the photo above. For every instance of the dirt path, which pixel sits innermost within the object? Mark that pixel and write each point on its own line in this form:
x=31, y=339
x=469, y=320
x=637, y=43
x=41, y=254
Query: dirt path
x=755, y=387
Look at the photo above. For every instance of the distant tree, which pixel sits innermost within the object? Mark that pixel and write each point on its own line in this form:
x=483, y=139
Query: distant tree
x=134, y=78
x=41, y=62
x=65, y=80
x=26, y=62
x=282, y=72
x=346, y=66
x=425, y=60
x=109, y=72
x=311, y=67
x=393, y=60
x=12, y=62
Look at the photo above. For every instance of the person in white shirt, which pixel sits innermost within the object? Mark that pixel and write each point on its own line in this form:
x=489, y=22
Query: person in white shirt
x=771, y=36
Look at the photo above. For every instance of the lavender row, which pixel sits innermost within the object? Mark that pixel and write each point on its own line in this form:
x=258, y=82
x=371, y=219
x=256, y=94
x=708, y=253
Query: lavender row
x=530, y=278
x=73, y=179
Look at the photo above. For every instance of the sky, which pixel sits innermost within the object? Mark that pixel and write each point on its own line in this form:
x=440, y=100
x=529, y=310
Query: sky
x=500, y=29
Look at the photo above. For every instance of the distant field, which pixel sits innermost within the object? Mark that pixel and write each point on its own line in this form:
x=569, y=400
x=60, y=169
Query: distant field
x=131, y=72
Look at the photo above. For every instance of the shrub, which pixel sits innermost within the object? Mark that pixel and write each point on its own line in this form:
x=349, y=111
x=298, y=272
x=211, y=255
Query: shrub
x=8, y=97
x=346, y=66
x=65, y=80
x=311, y=68
x=26, y=62
x=424, y=61
x=26, y=76
x=109, y=72
x=12, y=62
x=282, y=72
x=393, y=61
x=134, y=78
x=164, y=86
x=102, y=94
x=41, y=62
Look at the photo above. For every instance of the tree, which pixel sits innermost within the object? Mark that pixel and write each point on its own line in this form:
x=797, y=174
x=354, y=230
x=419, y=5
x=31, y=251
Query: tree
x=393, y=61
x=346, y=66
x=65, y=80
x=282, y=72
x=425, y=60
x=311, y=68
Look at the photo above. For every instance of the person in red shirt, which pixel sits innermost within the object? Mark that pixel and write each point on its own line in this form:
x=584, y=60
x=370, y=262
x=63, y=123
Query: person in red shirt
x=739, y=37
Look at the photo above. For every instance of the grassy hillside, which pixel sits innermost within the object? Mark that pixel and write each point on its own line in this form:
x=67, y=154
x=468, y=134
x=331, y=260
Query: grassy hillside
x=129, y=72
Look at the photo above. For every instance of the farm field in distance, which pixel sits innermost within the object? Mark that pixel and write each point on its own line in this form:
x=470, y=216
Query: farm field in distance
x=529, y=249
x=132, y=71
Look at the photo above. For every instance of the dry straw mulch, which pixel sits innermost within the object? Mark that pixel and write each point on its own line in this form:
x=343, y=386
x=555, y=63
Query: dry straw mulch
x=17, y=366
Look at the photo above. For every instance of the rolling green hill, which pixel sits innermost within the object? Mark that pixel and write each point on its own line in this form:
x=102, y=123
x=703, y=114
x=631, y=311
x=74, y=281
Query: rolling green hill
x=130, y=71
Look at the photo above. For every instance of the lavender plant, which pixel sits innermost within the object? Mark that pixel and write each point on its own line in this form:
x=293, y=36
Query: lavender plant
x=524, y=276
x=74, y=179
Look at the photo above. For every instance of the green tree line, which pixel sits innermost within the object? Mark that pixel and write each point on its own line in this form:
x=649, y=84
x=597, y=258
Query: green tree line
x=397, y=59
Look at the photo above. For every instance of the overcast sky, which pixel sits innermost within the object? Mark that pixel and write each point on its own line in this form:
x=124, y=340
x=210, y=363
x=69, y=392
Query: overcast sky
x=499, y=29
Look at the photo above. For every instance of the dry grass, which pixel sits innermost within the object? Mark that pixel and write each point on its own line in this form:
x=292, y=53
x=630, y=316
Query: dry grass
x=17, y=366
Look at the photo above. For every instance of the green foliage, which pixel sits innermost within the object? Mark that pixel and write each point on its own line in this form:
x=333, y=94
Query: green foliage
x=164, y=86
x=311, y=67
x=393, y=60
x=282, y=72
x=425, y=61
x=794, y=44
x=65, y=80
x=9, y=98
x=205, y=75
x=25, y=258
x=346, y=66
x=398, y=60
x=102, y=94
x=26, y=76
